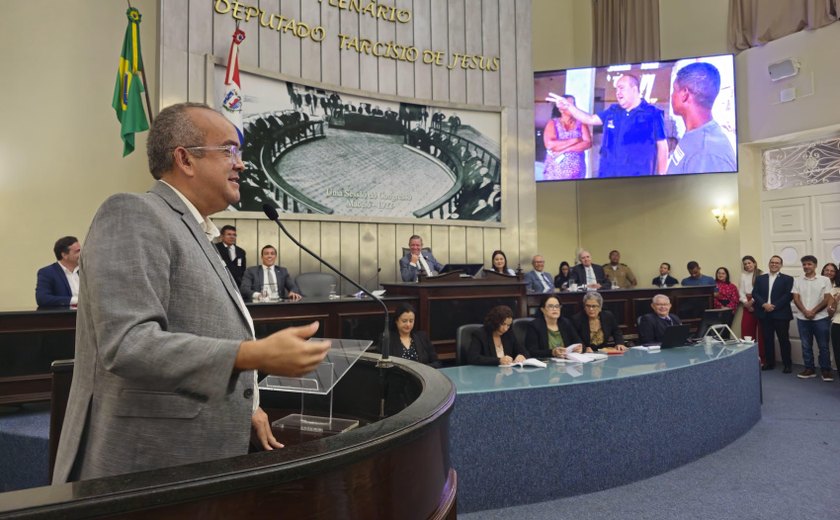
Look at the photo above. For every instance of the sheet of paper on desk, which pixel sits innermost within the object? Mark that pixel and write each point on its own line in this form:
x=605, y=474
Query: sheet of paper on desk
x=530, y=362
x=586, y=357
x=648, y=348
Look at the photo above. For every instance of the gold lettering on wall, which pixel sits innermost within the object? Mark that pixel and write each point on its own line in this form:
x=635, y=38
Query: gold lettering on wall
x=274, y=21
x=372, y=9
x=389, y=50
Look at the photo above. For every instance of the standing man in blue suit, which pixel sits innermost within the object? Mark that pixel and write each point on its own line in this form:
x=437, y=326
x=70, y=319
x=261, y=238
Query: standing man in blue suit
x=58, y=283
x=418, y=261
x=538, y=280
x=772, y=296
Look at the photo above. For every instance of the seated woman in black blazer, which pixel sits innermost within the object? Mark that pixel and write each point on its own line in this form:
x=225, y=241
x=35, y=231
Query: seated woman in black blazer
x=597, y=328
x=495, y=343
x=408, y=343
x=561, y=281
x=548, y=334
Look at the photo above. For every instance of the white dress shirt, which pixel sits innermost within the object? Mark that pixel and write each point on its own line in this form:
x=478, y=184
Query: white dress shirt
x=73, y=280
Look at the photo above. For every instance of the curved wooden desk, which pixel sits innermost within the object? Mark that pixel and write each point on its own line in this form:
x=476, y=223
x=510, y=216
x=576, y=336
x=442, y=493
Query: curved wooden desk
x=397, y=467
x=530, y=435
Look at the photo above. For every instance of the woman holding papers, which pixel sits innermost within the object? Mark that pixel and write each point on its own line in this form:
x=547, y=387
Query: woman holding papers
x=495, y=343
x=597, y=328
x=549, y=334
x=408, y=343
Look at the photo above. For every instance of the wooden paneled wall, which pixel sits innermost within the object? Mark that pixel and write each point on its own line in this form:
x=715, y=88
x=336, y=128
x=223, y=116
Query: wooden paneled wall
x=190, y=29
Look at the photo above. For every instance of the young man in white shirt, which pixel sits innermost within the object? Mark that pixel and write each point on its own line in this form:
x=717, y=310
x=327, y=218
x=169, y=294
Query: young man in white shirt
x=811, y=298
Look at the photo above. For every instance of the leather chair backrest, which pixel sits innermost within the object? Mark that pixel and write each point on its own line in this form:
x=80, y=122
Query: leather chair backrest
x=520, y=325
x=315, y=283
x=405, y=250
x=462, y=341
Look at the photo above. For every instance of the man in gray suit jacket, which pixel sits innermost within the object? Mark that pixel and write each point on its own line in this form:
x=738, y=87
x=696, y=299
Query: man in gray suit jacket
x=165, y=351
x=538, y=280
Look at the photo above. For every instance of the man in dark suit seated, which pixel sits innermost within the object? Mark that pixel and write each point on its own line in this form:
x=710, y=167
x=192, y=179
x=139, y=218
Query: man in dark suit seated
x=664, y=279
x=232, y=254
x=58, y=283
x=772, y=296
x=417, y=261
x=268, y=281
x=588, y=274
x=652, y=325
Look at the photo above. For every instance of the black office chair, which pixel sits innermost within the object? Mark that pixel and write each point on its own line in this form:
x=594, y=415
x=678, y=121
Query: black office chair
x=315, y=283
x=520, y=326
x=462, y=340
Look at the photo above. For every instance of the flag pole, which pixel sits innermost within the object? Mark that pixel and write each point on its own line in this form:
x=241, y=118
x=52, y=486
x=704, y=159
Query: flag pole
x=145, y=84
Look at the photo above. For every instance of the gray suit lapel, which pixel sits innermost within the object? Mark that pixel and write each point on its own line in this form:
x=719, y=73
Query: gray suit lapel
x=210, y=251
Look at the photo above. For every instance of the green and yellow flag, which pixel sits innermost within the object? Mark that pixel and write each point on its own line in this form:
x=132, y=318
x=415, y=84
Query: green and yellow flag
x=128, y=101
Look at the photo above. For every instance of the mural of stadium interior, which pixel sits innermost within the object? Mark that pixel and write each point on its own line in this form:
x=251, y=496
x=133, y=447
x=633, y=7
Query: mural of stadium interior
x=415, y=161
x=460, y=217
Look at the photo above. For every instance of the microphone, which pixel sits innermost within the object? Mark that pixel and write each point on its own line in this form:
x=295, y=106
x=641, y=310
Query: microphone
x=360, y=293
x=271, y=213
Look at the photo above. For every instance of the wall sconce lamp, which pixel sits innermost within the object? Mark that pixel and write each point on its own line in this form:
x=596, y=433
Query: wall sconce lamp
x=720, y=216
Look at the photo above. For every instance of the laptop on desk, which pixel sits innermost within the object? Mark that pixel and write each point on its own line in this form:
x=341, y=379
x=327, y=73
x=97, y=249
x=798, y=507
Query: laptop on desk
x=675, y=336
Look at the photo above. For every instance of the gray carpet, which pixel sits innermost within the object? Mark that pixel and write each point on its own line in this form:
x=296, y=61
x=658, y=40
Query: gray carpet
x=785, y=467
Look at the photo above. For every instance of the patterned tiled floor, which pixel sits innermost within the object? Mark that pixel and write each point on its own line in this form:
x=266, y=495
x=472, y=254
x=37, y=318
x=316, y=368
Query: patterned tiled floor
x=358, y=173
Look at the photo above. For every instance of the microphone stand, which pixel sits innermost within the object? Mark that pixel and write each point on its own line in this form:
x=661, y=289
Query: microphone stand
x=384, y=361
x=360, y=294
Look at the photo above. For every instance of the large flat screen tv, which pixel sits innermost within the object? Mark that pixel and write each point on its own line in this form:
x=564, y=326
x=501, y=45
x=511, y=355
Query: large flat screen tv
x=633, y=120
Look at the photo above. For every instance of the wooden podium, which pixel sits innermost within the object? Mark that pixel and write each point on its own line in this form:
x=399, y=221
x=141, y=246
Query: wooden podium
x=358, y=474
x=447, y=301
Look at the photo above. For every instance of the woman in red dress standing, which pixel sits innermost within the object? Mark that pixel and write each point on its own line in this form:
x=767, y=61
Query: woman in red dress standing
x=749, y=322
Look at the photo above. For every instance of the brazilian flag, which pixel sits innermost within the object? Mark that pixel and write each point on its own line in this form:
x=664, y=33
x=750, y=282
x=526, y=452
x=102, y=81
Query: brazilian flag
x=128, y=100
